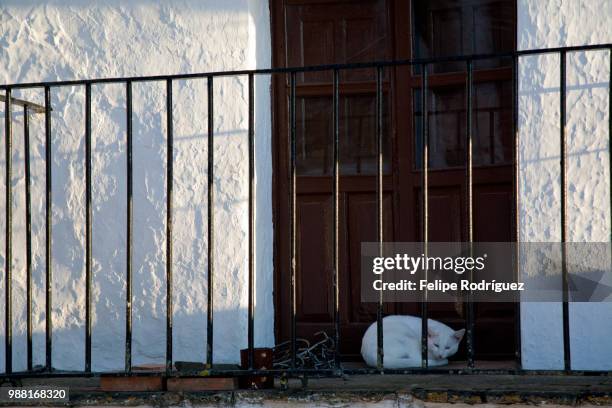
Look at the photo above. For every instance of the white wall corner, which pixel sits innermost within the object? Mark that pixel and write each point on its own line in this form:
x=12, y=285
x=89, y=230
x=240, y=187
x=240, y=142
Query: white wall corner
x=555, y=23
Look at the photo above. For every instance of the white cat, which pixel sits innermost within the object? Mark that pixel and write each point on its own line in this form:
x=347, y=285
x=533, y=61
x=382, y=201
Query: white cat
x=402, y=342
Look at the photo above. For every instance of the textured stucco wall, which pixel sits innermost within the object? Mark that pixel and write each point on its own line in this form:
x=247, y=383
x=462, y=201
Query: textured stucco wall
x=79, y=38
x=552, y=23
x=71, y=39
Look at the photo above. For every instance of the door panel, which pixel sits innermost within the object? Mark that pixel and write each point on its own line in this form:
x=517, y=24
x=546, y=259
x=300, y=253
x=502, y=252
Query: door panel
x=314, y=258
x=445, y=212
x=361, y=227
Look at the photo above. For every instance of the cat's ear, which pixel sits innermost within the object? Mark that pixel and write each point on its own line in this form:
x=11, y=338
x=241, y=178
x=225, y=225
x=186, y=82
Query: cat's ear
x=431, y=333
x=459, y=334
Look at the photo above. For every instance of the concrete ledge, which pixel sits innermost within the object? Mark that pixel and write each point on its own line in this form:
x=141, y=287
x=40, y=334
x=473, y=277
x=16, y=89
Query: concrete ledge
x=366, y=391
x=131, y=384
x=201, y=384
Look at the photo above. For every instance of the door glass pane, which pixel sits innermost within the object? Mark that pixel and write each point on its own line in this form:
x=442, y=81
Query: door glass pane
x=446, y=123
x=357, y=133
x=313, y=138
x=338, y=32
x=492, y=143
x=492, y=125
x=444, y=28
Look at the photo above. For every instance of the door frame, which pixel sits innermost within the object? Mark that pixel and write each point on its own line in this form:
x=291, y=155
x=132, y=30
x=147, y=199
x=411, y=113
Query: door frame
x=401, y=164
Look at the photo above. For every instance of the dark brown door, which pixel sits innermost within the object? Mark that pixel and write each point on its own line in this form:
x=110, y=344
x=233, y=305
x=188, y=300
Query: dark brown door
x=311, y=32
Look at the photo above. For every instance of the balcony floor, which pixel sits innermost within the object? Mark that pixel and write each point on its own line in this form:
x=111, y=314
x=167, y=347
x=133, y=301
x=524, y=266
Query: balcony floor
x=431, y=390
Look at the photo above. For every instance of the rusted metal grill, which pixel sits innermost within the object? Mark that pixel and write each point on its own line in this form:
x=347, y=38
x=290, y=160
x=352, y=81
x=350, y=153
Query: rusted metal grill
x=292, y=352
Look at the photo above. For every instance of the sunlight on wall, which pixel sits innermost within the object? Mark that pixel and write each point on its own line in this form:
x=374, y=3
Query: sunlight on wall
x=552, y=23
x=77, y=39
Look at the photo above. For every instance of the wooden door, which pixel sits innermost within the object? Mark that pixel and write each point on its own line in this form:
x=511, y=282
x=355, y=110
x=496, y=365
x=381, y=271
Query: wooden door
x=310, y=32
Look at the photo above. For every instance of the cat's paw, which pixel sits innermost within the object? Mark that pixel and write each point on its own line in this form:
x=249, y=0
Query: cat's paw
x=436, y=363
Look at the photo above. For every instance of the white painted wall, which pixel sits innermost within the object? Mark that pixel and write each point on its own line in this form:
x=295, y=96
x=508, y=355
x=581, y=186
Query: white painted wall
x=553, y=23
x=70, y=39
x=82, y=38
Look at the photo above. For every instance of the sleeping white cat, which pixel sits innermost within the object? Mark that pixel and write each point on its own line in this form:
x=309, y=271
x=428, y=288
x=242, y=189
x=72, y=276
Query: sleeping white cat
x=402, y=342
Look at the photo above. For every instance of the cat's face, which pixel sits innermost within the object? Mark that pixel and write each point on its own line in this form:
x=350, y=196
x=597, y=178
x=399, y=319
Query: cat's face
x=442, y=346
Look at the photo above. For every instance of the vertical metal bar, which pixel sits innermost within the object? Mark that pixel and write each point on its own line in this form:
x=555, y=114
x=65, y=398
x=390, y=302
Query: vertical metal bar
x=48, y=233
x=563, y=164
x=28, y=209
x=251, y=334
x=336, y=221
x=88, y=219
x=379, y=209
x=8, y=255
x=211, y=230
x=129, y=228
x=492, y=136
x=610, y=139
x=516, y=191
x=292, y=214
x=169, y=185
x=425, y=205
x=469, y=207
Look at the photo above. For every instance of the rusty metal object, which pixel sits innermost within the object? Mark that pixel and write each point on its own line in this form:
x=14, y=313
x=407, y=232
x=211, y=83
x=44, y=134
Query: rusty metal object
x=318, y=355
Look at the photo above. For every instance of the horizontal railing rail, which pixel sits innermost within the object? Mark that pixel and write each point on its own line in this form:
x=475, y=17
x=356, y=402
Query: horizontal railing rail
x=339, y=368
x=311, y=68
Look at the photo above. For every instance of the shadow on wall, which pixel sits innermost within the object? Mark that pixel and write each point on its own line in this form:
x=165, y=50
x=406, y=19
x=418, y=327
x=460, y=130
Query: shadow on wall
x=109, y=239
x=148, y=343
x=588, y=195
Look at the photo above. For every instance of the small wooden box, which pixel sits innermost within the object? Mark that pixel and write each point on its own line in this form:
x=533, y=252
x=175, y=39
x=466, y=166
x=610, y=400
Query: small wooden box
x=262, y=359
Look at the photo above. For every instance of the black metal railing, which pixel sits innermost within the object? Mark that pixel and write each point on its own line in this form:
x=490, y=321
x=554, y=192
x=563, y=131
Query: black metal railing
x=379, y=67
